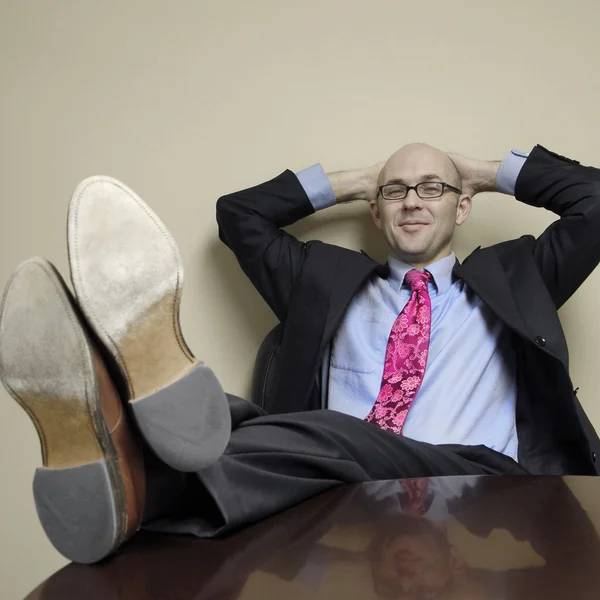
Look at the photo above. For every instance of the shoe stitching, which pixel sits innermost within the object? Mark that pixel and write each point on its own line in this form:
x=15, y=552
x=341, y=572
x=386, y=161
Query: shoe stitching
x=119, y=419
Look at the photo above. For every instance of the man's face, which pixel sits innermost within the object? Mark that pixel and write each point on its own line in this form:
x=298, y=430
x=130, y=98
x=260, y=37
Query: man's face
x=419, y=231
x=415, y=566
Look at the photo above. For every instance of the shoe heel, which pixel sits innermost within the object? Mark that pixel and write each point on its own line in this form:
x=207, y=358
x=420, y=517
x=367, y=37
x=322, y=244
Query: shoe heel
x=187, y=423
x=77, y=510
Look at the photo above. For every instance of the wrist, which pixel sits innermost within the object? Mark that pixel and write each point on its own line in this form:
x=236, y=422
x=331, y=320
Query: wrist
x=485, y=180
x=359, y=184
x=371, y=175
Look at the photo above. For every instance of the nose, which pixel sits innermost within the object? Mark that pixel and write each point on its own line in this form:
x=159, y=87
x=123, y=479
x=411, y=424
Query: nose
x=412, y=200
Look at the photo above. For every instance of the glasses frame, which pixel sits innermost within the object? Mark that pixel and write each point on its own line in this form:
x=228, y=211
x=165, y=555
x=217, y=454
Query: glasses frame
x=444, y=185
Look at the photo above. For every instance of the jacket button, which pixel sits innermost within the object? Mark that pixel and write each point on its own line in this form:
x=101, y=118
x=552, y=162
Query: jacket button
x=594, y=456
x=540, y=341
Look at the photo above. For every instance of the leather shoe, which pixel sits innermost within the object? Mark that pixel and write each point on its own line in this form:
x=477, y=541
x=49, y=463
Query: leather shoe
x=127, y=275
x=89, y=494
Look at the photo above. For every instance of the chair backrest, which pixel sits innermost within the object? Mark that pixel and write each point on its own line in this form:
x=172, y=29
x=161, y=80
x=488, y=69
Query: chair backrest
x=265, y=368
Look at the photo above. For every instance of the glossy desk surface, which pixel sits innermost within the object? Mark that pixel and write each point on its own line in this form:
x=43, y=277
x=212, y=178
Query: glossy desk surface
x=486, y=538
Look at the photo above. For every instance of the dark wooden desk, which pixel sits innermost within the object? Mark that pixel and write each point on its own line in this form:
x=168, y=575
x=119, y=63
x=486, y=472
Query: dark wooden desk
x=485, y=538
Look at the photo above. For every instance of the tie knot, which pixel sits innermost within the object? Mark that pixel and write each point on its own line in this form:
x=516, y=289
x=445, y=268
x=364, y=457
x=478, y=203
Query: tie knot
x=418, y=280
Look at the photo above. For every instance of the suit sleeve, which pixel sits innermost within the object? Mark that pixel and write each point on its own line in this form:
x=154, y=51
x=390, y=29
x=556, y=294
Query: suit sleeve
x=568, y=251
x=250, y=224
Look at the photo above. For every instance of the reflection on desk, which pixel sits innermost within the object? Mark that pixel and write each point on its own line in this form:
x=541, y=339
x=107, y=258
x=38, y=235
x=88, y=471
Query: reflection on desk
x=490, y=537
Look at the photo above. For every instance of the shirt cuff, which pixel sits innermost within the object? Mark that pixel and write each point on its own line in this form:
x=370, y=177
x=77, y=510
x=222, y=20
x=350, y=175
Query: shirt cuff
x=317, y=186
x=509, y=170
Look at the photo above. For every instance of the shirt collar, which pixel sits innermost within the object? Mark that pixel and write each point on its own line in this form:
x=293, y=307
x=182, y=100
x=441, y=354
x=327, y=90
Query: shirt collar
x=441, y=272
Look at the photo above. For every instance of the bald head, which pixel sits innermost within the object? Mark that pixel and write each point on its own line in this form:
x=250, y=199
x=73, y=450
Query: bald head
x=420, y=230
x=419, y=160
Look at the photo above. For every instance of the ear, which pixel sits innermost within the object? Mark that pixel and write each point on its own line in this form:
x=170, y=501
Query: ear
x=463, y=208
x=374, y=206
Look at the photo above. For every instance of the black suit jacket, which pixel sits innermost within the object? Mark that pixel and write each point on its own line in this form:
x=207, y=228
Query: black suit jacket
x=524, y=281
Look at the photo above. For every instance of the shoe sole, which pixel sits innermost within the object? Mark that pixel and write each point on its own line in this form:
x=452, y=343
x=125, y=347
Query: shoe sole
x=127, y=274
x=48, y=366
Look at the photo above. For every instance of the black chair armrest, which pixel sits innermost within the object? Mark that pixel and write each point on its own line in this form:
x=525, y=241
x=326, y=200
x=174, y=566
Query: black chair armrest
x=263, y=376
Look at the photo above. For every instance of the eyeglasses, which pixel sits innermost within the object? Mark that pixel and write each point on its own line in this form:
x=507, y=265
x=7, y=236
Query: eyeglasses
x=426, y=190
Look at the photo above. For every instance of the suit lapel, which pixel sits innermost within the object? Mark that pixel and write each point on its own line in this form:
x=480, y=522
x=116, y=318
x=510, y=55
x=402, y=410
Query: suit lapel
x=510, y=293
x=536, y=306
x=483, y=273
x=350, y=276
x=314, y=319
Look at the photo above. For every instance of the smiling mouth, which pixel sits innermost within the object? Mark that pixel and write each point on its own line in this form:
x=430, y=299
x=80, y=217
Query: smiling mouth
x=413, y=226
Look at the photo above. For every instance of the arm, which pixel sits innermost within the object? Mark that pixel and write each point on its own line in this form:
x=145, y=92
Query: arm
x=478, y=175
x=569, y=249
x=251, y=224
x=360, y=184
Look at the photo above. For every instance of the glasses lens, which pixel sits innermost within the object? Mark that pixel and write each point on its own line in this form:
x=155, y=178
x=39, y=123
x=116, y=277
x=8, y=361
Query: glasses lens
x=430, y=189
x=394, y=191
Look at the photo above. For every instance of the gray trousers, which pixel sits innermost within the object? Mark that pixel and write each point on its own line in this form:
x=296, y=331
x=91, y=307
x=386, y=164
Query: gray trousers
x=273, y=462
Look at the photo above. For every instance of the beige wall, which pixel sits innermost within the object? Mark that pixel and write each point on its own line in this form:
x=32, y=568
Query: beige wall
x=187, y=100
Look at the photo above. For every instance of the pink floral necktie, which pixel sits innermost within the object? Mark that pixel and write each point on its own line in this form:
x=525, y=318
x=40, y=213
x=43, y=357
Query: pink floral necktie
x=405, y=358
x=414, y=502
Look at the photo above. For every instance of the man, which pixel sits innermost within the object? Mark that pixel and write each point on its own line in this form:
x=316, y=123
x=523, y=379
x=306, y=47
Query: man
x=442, y=368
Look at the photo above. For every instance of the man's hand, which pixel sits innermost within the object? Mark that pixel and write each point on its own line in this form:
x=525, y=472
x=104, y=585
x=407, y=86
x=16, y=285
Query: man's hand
x=476, y=175
x=359, y=184
x=372, y=179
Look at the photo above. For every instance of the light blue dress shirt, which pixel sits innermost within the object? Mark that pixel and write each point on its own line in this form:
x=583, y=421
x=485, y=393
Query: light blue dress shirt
x=468, y=394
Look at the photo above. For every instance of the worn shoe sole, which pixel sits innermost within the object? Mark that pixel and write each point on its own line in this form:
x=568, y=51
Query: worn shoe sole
x=127, y=275
x=89, y=494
